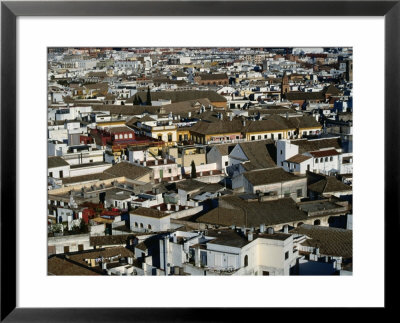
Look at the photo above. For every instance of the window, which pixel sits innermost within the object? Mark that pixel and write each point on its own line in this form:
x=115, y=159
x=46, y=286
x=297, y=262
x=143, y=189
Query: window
x=326, y=159
x=237, y=137
x=169, y=137
x=280, y=136
x=149, y=226
x=141, y=225
x=116, y=203
x=286, y=255
x=316, y=160
x=136, y=225
x=226, y=163
x=299, y=192
x=253, y=137
x=331, y=158
x=80, y=247
x=61, y=174
x=126, y=136
x=169, y=170
x=159, y=137
x=51, y=174
x=180, y=137
x=246, y=260
x=259, y=137
x=265, y=273
x=130, y=135
x=321, y=160
x=287, y=194
x=265, y=136
x=272, y=136
x=281, y=152
x=66, y=249
x=304, y=133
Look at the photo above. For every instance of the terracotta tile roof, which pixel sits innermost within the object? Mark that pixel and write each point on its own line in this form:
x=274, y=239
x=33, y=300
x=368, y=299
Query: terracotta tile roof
x=329, y=184
x=63, y=267
x=216, y=128
x=235, y=211
x=258, y=154
x=179, y=96
x=297, y=159
x=270, y=176
x=331, y=241
x=128, y=170
x=306, y=145
x=153, y=213
x=56, y=161
x=211, y=77
x=324, y=153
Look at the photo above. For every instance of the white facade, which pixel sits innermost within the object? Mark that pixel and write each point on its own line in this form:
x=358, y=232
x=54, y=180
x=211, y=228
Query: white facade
x=84, y=156
x=141, y=223
x=70, y=243
x=59, y=172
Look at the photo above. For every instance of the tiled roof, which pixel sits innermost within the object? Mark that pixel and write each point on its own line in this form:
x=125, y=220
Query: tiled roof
x=235, y=211
x=306, y=145
x=63, y=267
x=211, y=77
x=56, y=161
x=258, y=154
x=153, y=213
x=330, y=241
x=329, y=184
x=216, y=128
x=224, y=149
x=179, y=96
x=324, y=153
x=297, y=159
x=291, y=96
x=128, y=170
x=269, y=176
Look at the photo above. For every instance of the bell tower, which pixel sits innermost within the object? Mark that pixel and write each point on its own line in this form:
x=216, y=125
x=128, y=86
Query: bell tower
x=285, y=88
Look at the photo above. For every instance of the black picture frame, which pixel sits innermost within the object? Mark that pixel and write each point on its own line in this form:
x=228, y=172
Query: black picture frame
x=10, y=10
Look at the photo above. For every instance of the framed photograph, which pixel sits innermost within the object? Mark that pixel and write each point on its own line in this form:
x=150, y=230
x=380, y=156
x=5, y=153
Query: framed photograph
x=207, y=141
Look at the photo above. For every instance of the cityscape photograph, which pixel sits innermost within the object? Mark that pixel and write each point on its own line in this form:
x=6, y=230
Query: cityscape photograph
x=200, y=161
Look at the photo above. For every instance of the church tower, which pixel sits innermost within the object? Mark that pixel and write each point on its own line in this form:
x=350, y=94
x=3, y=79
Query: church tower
x=285, y=88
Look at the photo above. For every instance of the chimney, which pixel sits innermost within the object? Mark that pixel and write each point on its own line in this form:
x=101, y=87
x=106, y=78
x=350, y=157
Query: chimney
x=231, y=117
x=201, y=174
x=175, y=238
x=156, y=162
x=270, y=230
x=244, y=123
x=250, y=236
x=165, y=161
x=286, y=228
x=189, y=114
x=176, y=207
x=262, y=228
x=158, y=208
x=144, y=163
x=168, y=206
x=180, y=176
